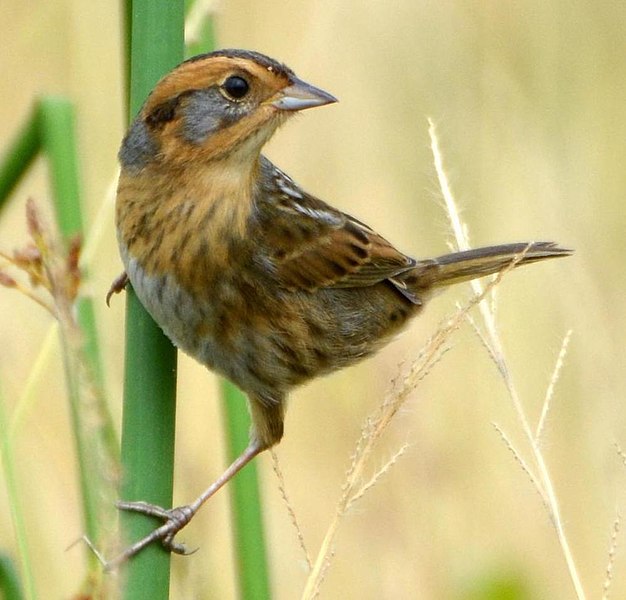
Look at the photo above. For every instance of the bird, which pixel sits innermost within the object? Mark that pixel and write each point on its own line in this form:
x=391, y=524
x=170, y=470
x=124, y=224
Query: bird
x=255, y=278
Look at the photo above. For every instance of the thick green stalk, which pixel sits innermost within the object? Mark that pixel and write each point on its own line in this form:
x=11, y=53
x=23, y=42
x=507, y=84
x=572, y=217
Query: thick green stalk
x=147, y=444
x=246, y=502
x=156, y=45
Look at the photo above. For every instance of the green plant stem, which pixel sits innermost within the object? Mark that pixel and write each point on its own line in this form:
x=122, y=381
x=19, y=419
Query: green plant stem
x=10, y=588
x=87, y=477
x=245, y=496
x=19, y=156
x=58, y=140
x=156, y=45
x=147, y=444
x=56, y=116
x=17, y=514
x=50, y=128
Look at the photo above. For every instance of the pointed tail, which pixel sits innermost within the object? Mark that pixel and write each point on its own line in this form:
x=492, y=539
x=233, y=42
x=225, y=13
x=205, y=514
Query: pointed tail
x=470, y=264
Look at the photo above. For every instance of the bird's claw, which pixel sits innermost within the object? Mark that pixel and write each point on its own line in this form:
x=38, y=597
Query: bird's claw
x=117, y=286
x=174, y=519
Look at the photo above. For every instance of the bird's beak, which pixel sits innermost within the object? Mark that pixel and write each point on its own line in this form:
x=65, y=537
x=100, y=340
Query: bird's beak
x=300, y=95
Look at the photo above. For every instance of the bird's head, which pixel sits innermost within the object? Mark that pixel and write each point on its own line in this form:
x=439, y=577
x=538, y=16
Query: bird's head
x=214, y=105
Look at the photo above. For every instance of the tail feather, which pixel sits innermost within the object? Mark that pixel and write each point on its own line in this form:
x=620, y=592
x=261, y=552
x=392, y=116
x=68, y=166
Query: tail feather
x=470, y=264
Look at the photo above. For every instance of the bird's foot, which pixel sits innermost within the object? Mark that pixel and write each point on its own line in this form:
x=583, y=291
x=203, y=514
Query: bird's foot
x=118, y=285
x=174, y=520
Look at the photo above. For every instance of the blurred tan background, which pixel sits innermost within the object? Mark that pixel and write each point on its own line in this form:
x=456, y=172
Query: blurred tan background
x=530, y=103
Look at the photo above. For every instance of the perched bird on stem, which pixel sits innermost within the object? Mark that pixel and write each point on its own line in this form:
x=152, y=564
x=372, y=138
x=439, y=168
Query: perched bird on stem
x=245, y=271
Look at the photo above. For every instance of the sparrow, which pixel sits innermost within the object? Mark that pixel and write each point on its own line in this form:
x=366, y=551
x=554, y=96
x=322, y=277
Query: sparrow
x=245, y=271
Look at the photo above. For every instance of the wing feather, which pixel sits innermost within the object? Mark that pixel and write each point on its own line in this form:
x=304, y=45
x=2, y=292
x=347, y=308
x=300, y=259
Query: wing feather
x=312, y=245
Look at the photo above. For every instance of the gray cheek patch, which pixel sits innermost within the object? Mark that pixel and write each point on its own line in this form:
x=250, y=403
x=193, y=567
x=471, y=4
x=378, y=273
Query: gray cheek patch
x=138, y=147
x=202, y=113
x=205, y=112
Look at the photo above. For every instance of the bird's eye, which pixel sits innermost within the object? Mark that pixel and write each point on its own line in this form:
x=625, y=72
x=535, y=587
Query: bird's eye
x=236, y=87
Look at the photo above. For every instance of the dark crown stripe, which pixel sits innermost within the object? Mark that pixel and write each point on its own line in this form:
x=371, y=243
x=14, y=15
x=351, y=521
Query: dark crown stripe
x=257, y=57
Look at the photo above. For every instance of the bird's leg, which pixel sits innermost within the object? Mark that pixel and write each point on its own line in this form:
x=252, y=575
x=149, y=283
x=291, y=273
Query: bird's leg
x=267, y=429
x=176, y=518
